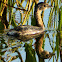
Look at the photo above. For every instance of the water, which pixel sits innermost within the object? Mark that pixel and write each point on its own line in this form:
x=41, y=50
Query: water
x=13, y=50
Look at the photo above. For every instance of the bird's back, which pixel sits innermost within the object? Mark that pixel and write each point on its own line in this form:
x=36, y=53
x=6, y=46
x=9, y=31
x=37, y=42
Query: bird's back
x=25, y=32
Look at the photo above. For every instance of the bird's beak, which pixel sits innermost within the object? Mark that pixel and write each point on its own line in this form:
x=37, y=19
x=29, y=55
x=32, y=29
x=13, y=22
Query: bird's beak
x=50, y=6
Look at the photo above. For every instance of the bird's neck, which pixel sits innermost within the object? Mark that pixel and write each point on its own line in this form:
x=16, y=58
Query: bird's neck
x=37, y=15
x=39, y=43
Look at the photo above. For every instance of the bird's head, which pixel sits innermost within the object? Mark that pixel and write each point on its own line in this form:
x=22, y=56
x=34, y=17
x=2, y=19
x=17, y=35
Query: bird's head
x=42, y=6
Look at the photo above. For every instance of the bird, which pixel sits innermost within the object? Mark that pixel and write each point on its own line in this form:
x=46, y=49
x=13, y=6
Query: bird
x=27, y=32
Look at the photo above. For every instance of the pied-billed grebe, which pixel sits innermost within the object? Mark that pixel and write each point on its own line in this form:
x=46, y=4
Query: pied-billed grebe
x=26, y=32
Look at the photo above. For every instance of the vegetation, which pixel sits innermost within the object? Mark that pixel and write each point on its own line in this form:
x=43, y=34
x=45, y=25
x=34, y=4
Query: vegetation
x=9, y=18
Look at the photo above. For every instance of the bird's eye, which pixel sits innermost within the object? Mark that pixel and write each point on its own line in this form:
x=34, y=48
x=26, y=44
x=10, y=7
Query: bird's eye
x=47, y=55
x=44, y=5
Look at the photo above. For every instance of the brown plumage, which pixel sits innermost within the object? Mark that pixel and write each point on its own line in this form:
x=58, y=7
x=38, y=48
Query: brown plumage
x=27, y=32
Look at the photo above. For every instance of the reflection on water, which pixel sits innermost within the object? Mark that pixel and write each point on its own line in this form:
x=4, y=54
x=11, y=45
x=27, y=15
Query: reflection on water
x=35, y=50
x=10, y=50
x=38, y=46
